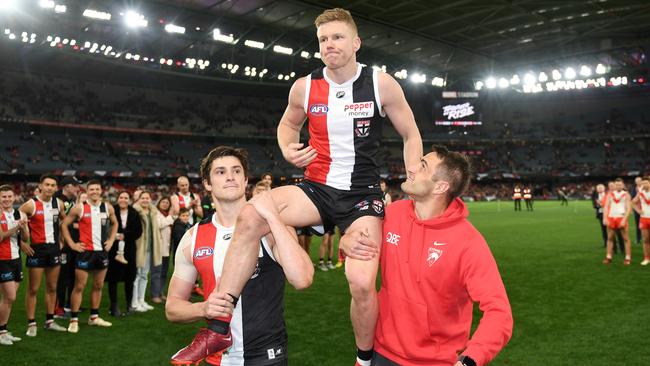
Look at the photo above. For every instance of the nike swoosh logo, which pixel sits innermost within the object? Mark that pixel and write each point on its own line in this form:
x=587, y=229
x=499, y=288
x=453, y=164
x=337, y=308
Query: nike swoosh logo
x=438, y=244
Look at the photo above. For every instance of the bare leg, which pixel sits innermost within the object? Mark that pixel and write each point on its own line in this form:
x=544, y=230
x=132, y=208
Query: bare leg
x=35, y=276
x=98, y=285
x=362, y=277
x=8, y=291
x=296, y=210
x=51, y=277
x=81, y=277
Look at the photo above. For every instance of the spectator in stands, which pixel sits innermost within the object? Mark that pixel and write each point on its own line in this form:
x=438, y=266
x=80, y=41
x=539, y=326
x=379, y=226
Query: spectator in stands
x=129, y=229
x=159, y=273
x=149, y=250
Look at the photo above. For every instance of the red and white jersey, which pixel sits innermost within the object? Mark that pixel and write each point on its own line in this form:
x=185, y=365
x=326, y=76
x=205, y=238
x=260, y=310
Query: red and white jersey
x=517, y=194
x=527, y=194
x=9, y=247
x=617, y=204
x=345, y=124
x=186, y=201
x=44, y=223
x=93, y=226
x=644, y=198
x=258, y=320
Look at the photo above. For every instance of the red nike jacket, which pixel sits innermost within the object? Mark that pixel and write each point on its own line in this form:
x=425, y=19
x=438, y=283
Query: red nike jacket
x=432, y=273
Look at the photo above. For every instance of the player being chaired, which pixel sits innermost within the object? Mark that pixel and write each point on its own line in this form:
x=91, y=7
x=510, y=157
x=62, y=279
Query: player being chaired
x=345, y=103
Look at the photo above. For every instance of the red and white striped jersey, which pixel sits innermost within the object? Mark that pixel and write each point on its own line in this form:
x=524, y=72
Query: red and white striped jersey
x=9, y=247
x=258, y=319
x=44, y=223
x=617, y=204
x=186, y=201
x=644, y=197
x=345, y=123
x=93, y=226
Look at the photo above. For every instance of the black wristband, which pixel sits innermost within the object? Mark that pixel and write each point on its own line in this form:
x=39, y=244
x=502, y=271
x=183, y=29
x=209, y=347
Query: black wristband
x=466, y=361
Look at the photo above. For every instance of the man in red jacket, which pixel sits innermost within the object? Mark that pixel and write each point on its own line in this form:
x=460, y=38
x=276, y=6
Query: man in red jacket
x=434, y=266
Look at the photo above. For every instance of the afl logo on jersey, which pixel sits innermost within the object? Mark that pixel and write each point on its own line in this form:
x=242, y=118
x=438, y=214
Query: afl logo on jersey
x=318, y=109
x=203, y=252
x=340, y=94
x=227, y=236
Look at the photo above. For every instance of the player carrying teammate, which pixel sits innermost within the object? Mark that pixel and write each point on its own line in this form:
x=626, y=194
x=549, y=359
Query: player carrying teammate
x=345, y=103
x=258, y=330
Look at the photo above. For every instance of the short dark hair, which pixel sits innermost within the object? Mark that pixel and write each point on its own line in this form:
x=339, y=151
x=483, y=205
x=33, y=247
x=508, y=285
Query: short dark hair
x=6, y=187
x=220, y=152
x=93, y=182
x=456, y=170
x=47, y=176
x=183, y=210
x=618, y=180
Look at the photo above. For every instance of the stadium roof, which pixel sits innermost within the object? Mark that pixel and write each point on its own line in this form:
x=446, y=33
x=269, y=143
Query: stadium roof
x=466, y=35
x=465, y=38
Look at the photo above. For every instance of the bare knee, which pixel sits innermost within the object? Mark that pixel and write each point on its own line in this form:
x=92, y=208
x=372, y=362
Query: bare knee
x=9, y=298
x=361, y=281
x=250, y=223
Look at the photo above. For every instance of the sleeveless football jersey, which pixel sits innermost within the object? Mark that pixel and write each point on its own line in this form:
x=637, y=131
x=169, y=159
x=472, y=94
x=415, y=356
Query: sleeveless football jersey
x=345, y=126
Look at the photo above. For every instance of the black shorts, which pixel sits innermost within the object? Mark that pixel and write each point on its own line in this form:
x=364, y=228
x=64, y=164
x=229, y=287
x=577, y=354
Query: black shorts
x=11, y=270
x=342, y=208
x=45, y=255
x=92, y=260
x=271, y=356
x=303, y=231
x=379, y=360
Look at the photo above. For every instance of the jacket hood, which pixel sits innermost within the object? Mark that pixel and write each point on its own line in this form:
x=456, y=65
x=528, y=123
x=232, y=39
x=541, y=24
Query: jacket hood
x=455, y=211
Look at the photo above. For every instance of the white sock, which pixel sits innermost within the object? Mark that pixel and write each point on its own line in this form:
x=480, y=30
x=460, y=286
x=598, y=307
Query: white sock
x=363, y=363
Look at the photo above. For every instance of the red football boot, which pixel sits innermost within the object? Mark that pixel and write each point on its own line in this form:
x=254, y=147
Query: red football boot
x=205, y=343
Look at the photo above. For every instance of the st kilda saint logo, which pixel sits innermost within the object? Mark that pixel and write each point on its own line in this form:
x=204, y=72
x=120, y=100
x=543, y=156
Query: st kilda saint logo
x=362, y=128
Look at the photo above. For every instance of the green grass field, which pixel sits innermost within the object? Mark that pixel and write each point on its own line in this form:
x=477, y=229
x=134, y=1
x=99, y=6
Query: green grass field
x=568, y=308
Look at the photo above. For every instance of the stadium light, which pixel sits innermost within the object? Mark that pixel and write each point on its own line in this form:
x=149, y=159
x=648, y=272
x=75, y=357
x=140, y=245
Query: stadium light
x=169, y=62
x=94, y=14
x=225, y=38
x=557, y=75
x=478, y=85
x=491, y=83
x=293, y=74
x=503, y=83
x=542, y=77
x=418, y=78
x=601, y=69
x=569, y=73
x=514, y=80
x=282, y=49
x=280, y=77
x=316, y=54
x=8, y=4
x=305, y=54
x=253, y=44
x=286, y=77
x=134, y=19
x=173, y=28
x=438, y=81
x=46, y=4
x=585, y=70
x=60, y=9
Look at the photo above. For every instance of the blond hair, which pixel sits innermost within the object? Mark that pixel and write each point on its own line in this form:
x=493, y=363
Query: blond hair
x=334, y=15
